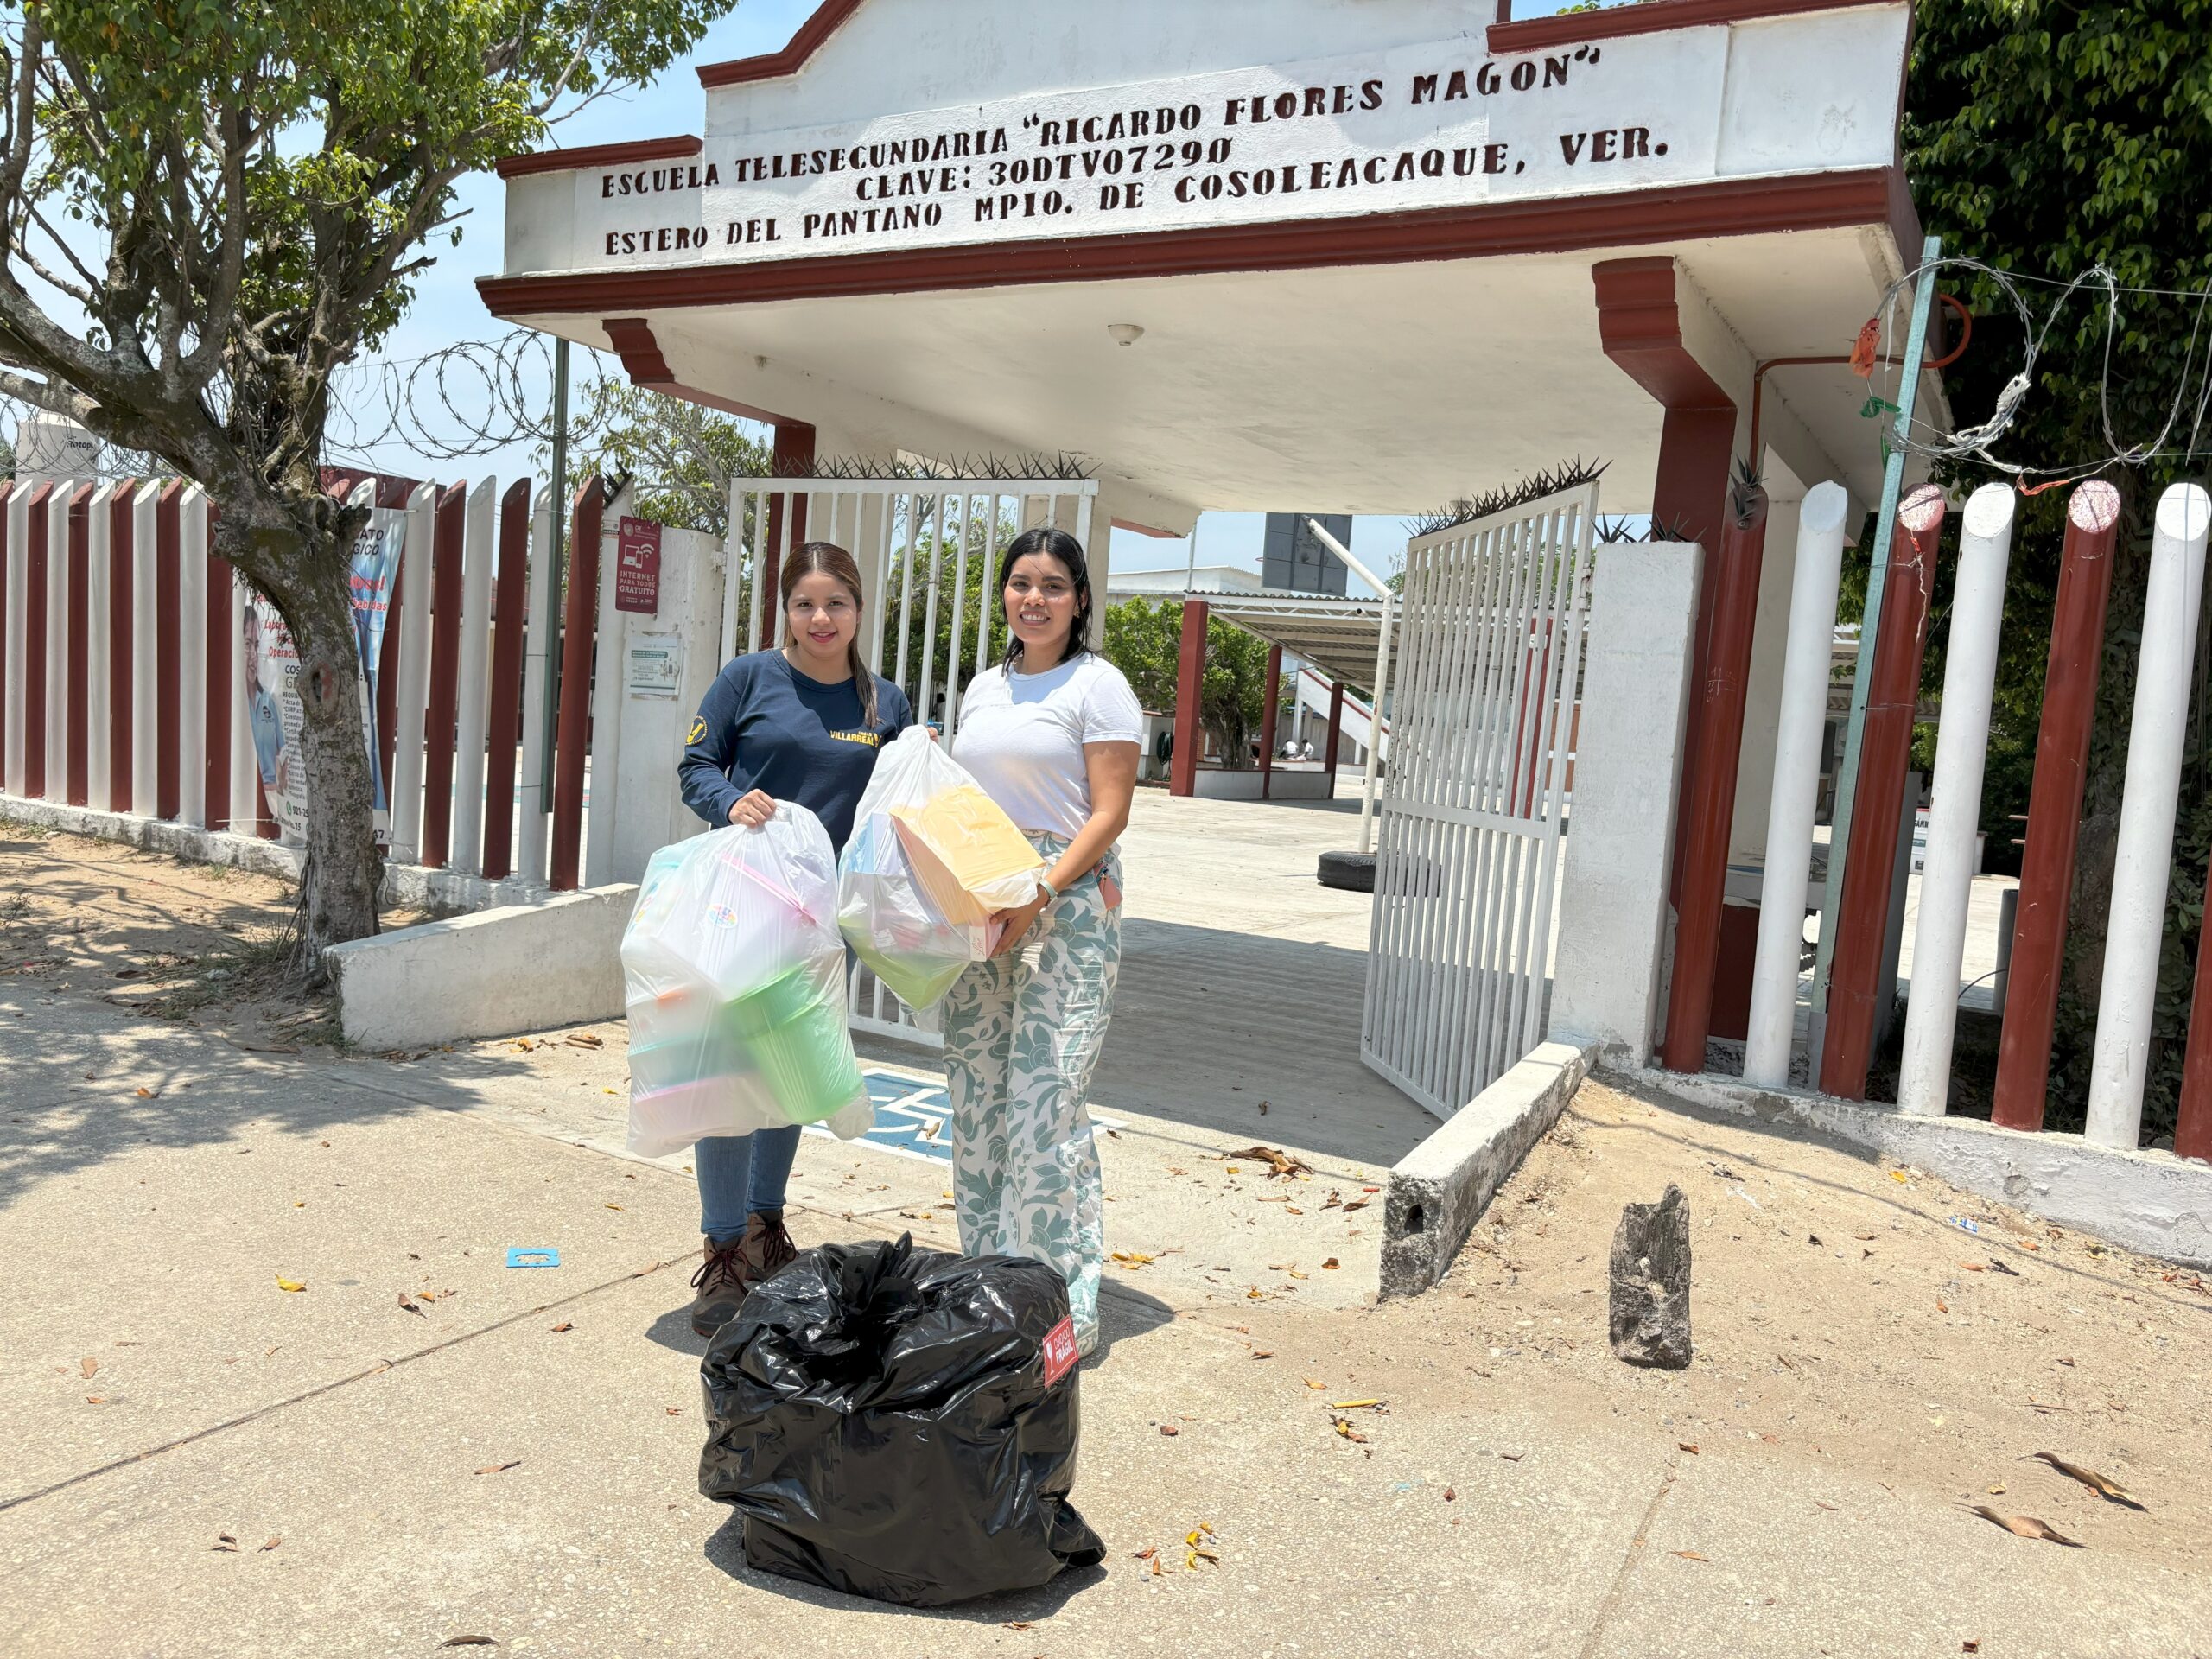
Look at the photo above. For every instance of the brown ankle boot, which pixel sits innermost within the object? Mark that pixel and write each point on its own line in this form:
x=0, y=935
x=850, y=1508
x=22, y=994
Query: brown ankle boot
x=765, y=1249
x=721, y=1286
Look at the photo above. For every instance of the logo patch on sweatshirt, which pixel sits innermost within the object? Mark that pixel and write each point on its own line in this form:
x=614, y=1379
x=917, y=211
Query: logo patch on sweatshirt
x=698, y=730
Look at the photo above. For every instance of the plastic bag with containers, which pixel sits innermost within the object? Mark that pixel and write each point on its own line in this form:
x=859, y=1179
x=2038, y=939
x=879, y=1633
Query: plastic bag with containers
x=931, y=858
x=734, y=977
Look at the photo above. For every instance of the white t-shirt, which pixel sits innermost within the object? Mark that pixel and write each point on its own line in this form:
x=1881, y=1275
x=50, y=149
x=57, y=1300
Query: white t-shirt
x=1023, y=737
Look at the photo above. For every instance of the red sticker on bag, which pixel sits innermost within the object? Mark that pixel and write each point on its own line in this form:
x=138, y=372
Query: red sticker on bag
x=1061, y=1354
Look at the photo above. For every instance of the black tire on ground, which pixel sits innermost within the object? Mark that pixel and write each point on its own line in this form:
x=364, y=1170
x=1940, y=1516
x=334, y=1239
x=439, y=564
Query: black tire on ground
x=1352, y=872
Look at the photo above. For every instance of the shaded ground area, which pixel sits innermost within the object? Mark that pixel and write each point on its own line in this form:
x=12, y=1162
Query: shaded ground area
x=513, y=1456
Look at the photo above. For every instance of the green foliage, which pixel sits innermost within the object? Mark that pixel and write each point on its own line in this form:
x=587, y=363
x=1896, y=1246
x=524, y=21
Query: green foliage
x=682, y=455
x=1145, y=641
x=968, y=598
x=2042, y=138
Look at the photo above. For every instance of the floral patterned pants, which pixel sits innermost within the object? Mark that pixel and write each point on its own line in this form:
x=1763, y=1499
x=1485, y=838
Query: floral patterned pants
x=1023, y=1034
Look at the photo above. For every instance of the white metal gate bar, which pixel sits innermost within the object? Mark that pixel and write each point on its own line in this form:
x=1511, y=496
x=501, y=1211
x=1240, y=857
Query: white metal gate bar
x=900, y=533
x=1490, y=658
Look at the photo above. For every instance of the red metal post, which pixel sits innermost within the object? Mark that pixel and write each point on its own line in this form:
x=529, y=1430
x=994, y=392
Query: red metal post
x=1855, y=989
x=1709, y=796
x=222, y=684
x=1336, y=731
x=1190, y=688
x=77, y=638
x=34, y=552
x=122, y=595
x=510, y=601
x=4, y=496
x=168, y=654
x=388, y=669
x=794, y=456
x=573, y=727
x=2193, y=1132
x=445, y=675
x=1268, y=718
x=2069, y=706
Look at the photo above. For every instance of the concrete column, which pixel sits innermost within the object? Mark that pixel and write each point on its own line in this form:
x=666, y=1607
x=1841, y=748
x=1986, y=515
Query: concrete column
x=1794, y=797
x=2144, y=858
x=1607, y=978
x=1190, y=682
x=1962, y=746
x=1336, y=733
x=1268, y=722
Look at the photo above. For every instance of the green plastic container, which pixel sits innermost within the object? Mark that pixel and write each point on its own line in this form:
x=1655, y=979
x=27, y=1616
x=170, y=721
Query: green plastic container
x=794, y=1029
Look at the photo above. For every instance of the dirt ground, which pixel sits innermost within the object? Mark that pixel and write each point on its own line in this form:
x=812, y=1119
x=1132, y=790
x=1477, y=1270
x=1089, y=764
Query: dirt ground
x=1851, y=1315
x=198, y=944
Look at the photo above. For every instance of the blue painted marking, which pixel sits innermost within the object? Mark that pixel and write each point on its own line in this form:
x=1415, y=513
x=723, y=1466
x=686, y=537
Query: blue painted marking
x=913, y=1116
x=523, y=1256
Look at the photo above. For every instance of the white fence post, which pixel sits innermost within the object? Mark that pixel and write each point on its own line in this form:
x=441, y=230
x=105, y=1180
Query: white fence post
x=466, y=851
x=1962, y=746
x=246, y=762
x=412, y=699
x=145, y=677
x=602, y=799
x=18, y=510
x=532, y=804
x=1793, y=800
x=2144, y=858
x=192, y=803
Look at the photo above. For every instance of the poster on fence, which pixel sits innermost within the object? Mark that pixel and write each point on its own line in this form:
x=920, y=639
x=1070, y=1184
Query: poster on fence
x=272, y=667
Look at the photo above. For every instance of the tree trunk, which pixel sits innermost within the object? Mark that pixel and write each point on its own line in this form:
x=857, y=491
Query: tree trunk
x=311, y=589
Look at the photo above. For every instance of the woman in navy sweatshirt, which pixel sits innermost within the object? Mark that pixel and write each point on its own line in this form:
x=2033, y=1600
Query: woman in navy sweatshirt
x=803, y=723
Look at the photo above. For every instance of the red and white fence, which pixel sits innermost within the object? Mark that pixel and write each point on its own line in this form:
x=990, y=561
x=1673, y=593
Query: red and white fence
x=122, y=682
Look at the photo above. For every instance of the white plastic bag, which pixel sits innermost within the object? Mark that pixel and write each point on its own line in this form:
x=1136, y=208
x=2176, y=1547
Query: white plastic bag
x=931, y=857
x=734, y=979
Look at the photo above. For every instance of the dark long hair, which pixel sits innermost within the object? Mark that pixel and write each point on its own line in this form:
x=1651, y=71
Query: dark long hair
x=828, y=559
x=1057, y=544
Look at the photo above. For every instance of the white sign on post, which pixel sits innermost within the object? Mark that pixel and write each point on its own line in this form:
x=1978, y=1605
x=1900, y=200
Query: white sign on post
x=656, y=667
x=1412, y=127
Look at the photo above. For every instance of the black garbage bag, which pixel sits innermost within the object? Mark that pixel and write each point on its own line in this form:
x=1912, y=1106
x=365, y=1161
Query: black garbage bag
x=900, y=1424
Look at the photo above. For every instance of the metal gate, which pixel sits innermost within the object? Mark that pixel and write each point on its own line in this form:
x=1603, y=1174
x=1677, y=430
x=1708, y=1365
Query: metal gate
x=1490, y=659
x=928, y=550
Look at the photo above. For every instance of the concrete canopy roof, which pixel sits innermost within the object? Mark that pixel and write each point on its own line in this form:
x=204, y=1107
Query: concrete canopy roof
x=1349, y=348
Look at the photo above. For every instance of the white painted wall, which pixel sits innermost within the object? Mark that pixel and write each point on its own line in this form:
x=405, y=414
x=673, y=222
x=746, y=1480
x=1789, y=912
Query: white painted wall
x=649, y=812
x=1607, y=975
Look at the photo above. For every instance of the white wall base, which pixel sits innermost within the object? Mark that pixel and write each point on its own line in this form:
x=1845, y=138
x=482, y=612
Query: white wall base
x=523, y=968
x=1216, y=785
x=2151, y=1202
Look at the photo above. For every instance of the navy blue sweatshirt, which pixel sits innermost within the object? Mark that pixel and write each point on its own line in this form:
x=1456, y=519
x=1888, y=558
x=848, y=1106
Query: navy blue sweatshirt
x=765, y=725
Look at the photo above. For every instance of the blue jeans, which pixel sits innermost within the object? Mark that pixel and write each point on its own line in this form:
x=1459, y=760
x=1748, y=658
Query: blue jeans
x=741, y=1173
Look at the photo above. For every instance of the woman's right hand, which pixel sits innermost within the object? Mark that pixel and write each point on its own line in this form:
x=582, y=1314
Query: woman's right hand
x=751, y=811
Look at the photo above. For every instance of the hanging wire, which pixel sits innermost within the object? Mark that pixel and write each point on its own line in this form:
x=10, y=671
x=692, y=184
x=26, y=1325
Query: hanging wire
x=1978, y=441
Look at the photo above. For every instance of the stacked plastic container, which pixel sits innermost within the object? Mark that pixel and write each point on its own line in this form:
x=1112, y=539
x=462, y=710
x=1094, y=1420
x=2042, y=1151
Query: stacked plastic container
x=735, y=977
x=930, y=859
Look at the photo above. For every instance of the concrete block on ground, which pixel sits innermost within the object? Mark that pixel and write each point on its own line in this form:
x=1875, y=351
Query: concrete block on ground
x=1441, y=1189
x=499, y=971
x=2151, y=1202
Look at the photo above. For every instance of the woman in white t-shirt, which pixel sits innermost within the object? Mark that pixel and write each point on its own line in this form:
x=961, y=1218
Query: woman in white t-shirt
x=1053, y=736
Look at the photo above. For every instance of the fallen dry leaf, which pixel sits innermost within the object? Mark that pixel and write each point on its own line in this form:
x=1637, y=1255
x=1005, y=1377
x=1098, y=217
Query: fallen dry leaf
x=1331, y=1265
x=1157, y=1571
x=1971, y=1267
x=1689, y=1555
x=1450, y=1495
x=1969, y=1647
x=1689, y=1447
x=1830, y=1508
x=676, y=1411
x=89, y=1366
x=2026, y=1526
x=614, y=1206
x=272, y=1544
x=1019, y=1624
x=2107, y=1489
x=1278, y=1161
x=411, y=1306
x=145, y=1094
x=468, y=1641
x=1344, y=1428
x=283, y=1283
x=225, y=1544
x=1170, y=1430
x=563, y=1325
x=500, y=1468
x=1943, y=1306
x=1133, y=1259
x=1311, y=1383
x=1263, y=1353
x=1356, y=1204
x=584, y=1039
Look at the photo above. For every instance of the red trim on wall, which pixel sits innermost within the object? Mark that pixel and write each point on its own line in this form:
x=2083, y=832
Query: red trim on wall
x=510, y=603
x=6, y=495
x=647, y=366
x=77, y=639
x=1640, y=328
x=1649, y=18
x=122, y=598
x=1612, y=220
x=585, y=156
x=451, y=530
x=825, y=21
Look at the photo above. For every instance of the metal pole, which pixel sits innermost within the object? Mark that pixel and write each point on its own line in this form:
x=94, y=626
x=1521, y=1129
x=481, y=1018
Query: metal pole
x=1374, y=723
x=1962, y=746
x=1846, y=783
x=555, y=565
